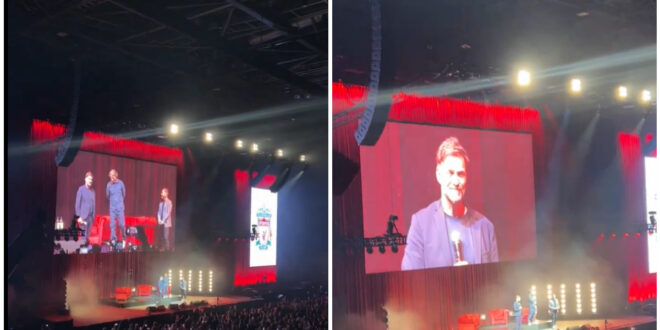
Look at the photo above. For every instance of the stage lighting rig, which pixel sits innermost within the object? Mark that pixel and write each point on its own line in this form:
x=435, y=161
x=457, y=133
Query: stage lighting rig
x=646, y=96
x=576, y=85
x=208, y=137
x=622, y=92
x=174, y=129
x=392, y=238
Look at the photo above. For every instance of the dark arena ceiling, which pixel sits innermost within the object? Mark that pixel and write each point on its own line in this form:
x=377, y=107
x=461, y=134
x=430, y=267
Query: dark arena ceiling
x=440, y=43
x=251, y=69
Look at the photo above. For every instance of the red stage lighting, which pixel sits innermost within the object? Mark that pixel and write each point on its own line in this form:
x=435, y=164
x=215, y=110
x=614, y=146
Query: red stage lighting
x=613, y=235
x=626, y=235
x=637, y=235
x=601, y=236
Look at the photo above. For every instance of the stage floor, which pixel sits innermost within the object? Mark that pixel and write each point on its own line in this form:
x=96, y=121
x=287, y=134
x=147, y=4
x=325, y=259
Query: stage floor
x=624, y=322
x=90, y=314
x=612, y=323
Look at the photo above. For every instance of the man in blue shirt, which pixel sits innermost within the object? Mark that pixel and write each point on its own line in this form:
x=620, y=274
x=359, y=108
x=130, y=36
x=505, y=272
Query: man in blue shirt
x=161, y=288
x=473, y=235
x=554, y=309
x=85, y=205
x=517, y=312
x=532, y=308
x=115, y=192
x=182, y=286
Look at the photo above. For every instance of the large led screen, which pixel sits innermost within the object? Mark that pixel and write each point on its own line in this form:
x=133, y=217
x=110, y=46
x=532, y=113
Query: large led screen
x=459, y=196
x=263, y=222
x=108, y=203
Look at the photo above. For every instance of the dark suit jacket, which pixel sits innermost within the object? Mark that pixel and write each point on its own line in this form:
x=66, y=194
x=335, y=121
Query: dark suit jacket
x=428, y=244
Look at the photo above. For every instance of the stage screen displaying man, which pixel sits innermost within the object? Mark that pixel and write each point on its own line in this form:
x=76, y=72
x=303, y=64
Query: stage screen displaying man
x=124, y=209
x=263, y=226
x=461, y=197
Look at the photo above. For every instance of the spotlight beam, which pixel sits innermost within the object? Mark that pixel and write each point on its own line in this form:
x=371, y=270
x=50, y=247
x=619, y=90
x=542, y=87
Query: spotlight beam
x=629, y=57
x=260, y=115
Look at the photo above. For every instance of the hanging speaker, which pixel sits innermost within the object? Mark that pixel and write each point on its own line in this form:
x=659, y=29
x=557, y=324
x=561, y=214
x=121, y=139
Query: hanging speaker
x=70, y=145
x=381, y=76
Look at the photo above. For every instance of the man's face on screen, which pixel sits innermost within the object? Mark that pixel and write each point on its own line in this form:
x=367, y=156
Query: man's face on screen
x=452, y=177
x=163, y=194
x=113, y=176
x=89, y=180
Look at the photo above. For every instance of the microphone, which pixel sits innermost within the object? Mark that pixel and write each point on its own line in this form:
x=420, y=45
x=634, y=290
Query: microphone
x=455, y=237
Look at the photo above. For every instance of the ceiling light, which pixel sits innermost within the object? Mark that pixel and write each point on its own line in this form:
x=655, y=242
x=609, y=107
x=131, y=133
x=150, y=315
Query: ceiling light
x=524, y=78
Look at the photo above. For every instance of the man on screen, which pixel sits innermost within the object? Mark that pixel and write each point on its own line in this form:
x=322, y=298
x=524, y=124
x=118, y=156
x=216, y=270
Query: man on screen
x=447, y=232
x=165, y=218
x=85, y=205
x=115, y=192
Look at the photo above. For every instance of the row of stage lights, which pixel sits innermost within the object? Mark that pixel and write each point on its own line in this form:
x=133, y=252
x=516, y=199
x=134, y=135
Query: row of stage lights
x=524, y=79
x=578, y=297
x=239, y=144
x=189, y=283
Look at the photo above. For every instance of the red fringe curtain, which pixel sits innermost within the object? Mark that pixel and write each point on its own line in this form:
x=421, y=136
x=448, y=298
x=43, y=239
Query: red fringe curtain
x=107, y=271
x=641, y=285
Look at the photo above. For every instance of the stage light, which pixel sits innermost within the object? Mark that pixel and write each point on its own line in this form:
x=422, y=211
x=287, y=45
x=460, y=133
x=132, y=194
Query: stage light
x=208, y=137
x=180, y=274
x=190, y=287
x=483, y=317
x=254, y=147
x=303, y=158
x=210, y=281
x=199, y=285
x=395, y=248
x=578, y=298
x=169, y=278
x=523, y=78
x=370, y=250
x=549, y=291
x=562, y=292
x=622, y=92
x=279, y=153
x=174, y=129
x=381, y=249
x=576, y=85
x=593, y=298
x=239, y=144
x=646, y=96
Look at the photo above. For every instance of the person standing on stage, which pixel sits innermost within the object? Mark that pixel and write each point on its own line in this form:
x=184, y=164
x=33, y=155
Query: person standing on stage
x=554, y=309
x=115, y=191
x=160, y=289
x=517, y=312
x=165, y=218
x=532, y=308
x=85, y=205
x=182, y=286
x=166, y=281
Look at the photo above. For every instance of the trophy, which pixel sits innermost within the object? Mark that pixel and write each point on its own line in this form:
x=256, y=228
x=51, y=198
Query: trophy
x=458, y=247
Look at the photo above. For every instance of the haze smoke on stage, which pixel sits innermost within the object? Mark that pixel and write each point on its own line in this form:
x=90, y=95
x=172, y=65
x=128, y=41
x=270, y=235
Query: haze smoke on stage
x=82, y=294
